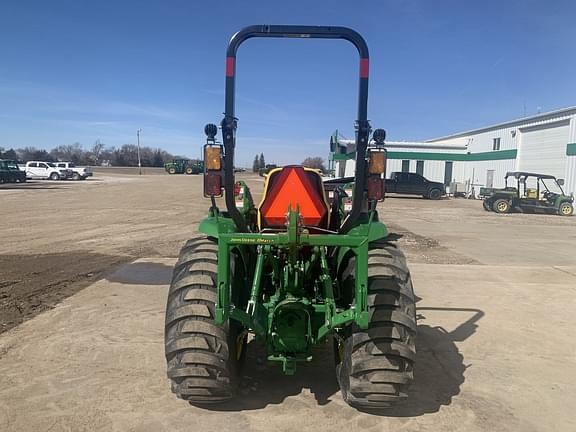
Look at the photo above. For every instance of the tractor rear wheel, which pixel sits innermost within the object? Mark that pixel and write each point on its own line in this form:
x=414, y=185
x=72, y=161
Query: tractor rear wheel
x=375, y=366
x=203, y=358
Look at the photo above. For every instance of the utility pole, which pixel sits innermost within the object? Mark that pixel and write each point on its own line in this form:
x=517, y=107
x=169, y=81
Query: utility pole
x=139, y=164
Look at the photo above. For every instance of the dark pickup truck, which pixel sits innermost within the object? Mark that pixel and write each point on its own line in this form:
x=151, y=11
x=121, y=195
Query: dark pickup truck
x=414, y=184
x=401, y=183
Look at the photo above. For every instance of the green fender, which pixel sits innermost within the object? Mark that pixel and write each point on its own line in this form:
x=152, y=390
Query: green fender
x=372, y=231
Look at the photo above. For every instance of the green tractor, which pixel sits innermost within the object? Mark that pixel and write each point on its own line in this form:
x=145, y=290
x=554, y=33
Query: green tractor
x=296, y=271
x=184, y=166
x=264, y=171
x=533, y=193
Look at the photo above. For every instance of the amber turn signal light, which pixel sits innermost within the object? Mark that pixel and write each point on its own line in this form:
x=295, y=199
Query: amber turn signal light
x=213, y=158
x=377, y=162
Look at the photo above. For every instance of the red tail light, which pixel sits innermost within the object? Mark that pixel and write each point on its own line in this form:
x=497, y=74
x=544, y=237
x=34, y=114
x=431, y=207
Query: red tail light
x=375, y=188
x=212, y=184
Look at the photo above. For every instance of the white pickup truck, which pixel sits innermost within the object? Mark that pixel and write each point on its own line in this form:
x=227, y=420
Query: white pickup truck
x=45, y=170
x=78, y=173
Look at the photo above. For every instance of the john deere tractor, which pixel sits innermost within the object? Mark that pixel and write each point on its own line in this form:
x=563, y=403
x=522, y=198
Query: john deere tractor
x=295, y=271
x=184, y=166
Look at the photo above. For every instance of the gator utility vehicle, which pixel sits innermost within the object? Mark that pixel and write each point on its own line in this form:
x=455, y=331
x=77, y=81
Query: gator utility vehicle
x=10, y=172
x=294, y=271
x=533, y=193
x=184, y=166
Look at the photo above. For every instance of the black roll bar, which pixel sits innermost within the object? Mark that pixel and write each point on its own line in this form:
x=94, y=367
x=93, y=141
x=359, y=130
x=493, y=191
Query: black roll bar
x=229, y=123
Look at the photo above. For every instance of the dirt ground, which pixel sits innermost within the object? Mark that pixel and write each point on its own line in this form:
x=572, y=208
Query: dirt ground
x=59, y=237
x=496, y=314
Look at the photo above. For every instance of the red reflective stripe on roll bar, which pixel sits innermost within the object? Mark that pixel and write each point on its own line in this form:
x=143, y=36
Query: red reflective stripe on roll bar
x=230, y=66
x=364, y=66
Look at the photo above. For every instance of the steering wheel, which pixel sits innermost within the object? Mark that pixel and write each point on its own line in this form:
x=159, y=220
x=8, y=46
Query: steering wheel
x=549, y=196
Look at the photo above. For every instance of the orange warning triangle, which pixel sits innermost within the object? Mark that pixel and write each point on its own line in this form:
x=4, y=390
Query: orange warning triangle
x=292, y=189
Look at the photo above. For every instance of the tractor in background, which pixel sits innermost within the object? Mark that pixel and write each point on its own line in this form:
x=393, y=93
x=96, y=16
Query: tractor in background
x=184, y=166
x=296, y=270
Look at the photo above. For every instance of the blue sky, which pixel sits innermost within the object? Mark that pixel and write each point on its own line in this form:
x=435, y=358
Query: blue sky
x=78, y=71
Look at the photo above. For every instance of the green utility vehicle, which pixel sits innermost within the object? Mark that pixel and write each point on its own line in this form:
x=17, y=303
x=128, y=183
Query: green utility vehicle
x=10, y=172
x=533, y=193
x=184, y=166
x=264, y=171
x=295, y=271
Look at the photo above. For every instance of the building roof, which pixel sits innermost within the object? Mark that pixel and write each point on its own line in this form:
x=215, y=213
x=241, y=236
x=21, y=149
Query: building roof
x=543, y=116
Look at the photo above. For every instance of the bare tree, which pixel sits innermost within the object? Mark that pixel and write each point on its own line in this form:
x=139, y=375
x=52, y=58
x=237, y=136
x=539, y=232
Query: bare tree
x=68, y=152
x=314, y=162
x=96, y=152
x=32, y=153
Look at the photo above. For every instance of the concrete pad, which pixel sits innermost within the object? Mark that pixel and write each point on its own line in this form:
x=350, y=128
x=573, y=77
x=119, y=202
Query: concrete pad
x=466, y=229
x=495, y=352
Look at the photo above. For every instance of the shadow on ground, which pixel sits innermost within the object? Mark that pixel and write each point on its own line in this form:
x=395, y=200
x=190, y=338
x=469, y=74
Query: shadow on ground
x=440, y=366
x=143, y=273
x=29, y=185
x=439, y=373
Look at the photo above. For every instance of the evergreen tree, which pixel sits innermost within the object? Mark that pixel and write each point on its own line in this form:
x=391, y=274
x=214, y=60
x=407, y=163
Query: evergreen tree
x=262, y=163
x=256, y=164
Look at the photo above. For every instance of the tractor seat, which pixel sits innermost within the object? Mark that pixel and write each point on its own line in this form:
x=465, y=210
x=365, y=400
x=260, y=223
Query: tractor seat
x=293, y=186
x=531, y=193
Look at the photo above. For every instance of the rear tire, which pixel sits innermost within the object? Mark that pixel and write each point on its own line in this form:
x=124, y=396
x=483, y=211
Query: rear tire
x=203, y=358
x=501, y=206
x=172, y=171
x=54, y=176
x=375, y=367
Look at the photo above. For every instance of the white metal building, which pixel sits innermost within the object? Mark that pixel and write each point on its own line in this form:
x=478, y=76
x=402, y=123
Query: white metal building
x=544, y=144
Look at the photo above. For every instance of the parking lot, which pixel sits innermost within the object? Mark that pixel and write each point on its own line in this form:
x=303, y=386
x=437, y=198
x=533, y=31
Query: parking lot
x=83, y=280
